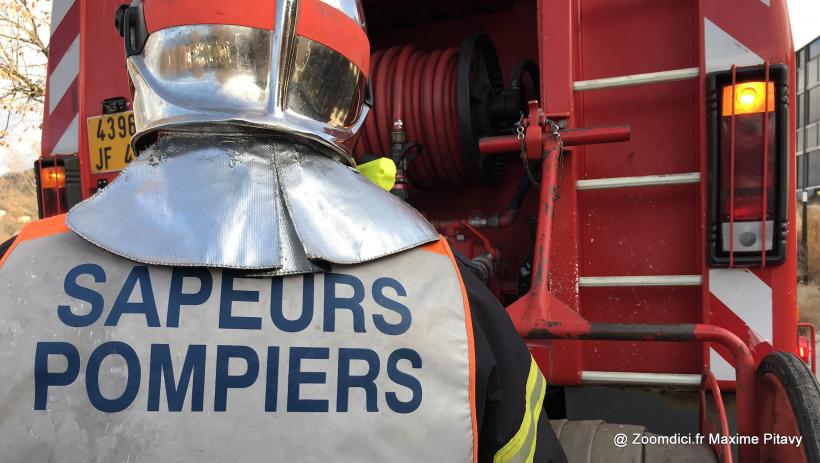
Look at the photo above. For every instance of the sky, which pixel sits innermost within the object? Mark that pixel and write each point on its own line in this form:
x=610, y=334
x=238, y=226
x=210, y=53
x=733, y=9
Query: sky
x=805, y=22
x=805, y=18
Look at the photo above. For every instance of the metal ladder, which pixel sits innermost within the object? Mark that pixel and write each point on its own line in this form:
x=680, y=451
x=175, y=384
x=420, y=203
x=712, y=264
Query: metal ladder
x=637, y=182
x=685, y=178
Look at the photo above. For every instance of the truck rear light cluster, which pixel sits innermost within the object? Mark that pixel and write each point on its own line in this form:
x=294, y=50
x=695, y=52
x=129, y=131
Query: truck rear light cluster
x=748, y=177
x=58, y=184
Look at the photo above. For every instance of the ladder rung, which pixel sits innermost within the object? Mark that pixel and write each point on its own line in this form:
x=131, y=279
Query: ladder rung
x=650, y=280
x=637, y=79
x=640, y=379
x=646, y=180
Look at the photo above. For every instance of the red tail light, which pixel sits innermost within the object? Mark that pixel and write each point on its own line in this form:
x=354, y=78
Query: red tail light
x=806, y=339
x=749, y=166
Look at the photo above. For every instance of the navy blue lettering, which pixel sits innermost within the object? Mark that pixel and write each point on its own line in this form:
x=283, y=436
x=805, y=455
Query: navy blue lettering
x=44, y=378
x=73, y=289
x=366, y=381
x=277, y=302
x=176, y=298
x=162, y=369
x=225, y=381
x=92, y=377
x=404, y=313
x=147, y=306
x=297, y=377
x=403, y=379
x=272, y=379
x=229, y=295
x=353, y=303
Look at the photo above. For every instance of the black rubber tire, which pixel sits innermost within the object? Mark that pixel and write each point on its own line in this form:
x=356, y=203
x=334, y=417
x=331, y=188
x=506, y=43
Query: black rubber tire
x=803, y=391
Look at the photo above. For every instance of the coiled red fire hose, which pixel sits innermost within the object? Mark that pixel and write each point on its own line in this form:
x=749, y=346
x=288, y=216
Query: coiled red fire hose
x=419, y=89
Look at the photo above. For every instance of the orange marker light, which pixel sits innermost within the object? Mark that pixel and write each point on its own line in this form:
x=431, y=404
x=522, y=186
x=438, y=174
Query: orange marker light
x=749, y=98
x=52, y=177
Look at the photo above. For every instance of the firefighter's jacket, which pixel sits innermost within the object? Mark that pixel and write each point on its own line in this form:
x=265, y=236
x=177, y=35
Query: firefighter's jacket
x=406, y=358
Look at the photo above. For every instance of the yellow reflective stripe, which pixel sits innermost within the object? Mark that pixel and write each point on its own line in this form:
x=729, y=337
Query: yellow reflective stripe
x=521, y=448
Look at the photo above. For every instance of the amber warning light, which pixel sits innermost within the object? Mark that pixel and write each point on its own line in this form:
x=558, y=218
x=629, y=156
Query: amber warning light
x=748, y=97
x=52, y=177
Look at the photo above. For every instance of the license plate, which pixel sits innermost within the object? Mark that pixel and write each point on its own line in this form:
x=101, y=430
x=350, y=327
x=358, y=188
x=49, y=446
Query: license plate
x=109, y=141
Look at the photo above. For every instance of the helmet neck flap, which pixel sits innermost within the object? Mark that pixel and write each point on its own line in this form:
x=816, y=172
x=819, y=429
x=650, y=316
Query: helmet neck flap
x=246, y=201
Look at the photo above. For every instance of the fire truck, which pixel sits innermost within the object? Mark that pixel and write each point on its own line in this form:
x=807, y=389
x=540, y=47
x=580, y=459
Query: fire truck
x=621, y=174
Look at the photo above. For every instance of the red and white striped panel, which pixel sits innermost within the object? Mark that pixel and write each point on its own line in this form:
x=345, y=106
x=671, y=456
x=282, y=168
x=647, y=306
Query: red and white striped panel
x=742, y=302
x=61, y=115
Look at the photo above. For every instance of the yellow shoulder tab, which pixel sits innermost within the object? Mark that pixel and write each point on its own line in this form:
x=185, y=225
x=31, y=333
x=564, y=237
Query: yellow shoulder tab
x=381, y=171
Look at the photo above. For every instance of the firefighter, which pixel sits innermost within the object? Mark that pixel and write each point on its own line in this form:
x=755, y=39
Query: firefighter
x=241, y=292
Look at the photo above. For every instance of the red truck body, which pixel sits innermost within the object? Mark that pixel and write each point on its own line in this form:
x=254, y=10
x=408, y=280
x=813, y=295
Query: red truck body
x=631, y=291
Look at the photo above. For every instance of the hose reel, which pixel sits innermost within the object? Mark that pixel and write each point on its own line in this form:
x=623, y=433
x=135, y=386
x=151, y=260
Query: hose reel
x=443, y=102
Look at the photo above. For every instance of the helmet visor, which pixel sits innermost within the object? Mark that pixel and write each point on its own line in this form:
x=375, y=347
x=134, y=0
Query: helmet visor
x=324, y=85
x=212, y=67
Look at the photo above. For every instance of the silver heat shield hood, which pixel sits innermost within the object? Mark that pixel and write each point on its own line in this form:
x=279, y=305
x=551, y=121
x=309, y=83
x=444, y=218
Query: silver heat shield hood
x=246, y=201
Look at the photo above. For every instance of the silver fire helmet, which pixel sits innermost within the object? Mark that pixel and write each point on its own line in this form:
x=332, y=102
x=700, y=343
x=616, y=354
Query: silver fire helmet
x=293, y=66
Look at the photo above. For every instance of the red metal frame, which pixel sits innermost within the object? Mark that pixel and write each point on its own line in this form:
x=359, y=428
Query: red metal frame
x=732, y=175
x=509, y=144
x=491, y=250
x=765, y=169
x=709, y=383
x=764, y=181
x=746, y=367
x=539, y=315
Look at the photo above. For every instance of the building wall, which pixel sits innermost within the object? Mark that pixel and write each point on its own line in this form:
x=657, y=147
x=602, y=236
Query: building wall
x=808, y=116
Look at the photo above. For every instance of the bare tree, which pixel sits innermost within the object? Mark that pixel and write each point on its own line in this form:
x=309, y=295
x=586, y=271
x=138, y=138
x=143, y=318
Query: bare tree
x=24, y=32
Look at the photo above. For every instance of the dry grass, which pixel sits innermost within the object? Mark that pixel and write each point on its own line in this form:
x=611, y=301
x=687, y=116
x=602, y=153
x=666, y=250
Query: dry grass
x=814, y=240
x=808, y=298
x=808, y=295
x=18, y=198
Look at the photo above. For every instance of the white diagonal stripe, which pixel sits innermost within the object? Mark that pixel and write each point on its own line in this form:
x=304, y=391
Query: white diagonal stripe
x=63, y=75
x=68, y=143
x=59, y=8
x=723, y=50
x=747, y=296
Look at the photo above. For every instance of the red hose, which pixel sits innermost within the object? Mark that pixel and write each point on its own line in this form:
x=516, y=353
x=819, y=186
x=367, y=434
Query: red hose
x=418, y=88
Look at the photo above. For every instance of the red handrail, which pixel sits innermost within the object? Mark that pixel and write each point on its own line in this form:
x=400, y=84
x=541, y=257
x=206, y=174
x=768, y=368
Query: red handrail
x=764, y=185
x=732, y=174
x=709, y=382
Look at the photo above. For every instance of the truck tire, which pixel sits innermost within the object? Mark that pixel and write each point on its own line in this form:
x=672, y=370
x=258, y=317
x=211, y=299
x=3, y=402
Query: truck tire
x=788, y=405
